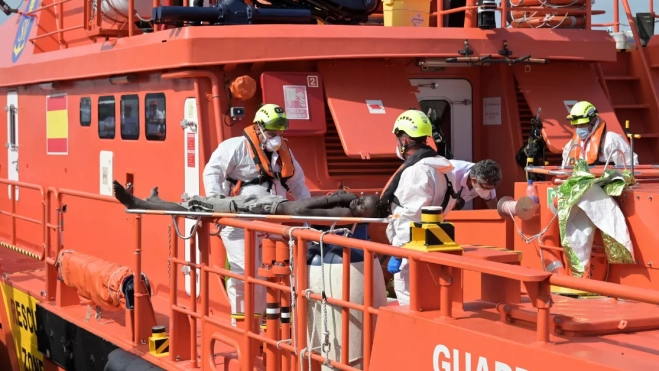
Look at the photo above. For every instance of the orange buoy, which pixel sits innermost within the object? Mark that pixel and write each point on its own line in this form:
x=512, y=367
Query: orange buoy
x=564, y=3
x=550, y=21
x=560, y=16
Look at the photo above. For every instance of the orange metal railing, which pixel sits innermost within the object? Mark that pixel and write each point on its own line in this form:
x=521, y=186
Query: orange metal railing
x=183, y=321
x=538, y=284
x=13, y=217
x=471, y=8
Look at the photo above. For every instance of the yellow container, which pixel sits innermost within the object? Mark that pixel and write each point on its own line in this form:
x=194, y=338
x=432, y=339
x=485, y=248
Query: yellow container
x=406, y=13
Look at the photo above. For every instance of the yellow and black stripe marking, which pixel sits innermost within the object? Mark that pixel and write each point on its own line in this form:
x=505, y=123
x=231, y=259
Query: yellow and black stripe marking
x=158, y=342
x=429, y=236
x=21, y=250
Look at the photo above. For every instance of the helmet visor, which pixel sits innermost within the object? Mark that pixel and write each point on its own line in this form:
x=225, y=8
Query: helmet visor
x=279, y=123
x=578, y=120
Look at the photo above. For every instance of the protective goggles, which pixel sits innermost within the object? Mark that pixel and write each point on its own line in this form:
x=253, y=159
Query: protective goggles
x=279, y=123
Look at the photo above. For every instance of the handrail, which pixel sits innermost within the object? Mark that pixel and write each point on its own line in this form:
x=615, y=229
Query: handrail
x=504, y=9
x=539, y=279
x=641, y=51
x=13, y=186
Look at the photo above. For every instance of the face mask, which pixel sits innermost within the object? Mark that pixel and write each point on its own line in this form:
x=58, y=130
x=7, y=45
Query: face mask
x=273, y=144
x=583, y=133
x=483, y=193
x=400, y=155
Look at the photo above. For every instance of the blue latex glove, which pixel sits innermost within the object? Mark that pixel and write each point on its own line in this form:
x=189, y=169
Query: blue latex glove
x=394, y=265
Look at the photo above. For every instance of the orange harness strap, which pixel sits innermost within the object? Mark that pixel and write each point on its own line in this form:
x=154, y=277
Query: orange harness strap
x=593, y=153
x=262, y=162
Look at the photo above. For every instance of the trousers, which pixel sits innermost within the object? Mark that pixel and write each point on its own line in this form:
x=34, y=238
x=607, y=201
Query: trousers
x=402, y=283
x=234, y=243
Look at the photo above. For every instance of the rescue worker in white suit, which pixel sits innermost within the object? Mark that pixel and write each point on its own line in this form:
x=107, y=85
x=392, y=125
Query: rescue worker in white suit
x=257, y=163
x=424, y=179
x=591, y=140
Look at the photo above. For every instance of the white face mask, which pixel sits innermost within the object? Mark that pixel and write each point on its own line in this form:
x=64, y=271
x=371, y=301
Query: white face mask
x=272, y=144
x=483, y=193
x=400, y=155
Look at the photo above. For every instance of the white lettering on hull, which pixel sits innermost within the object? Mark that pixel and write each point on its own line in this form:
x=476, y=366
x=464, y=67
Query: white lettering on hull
x=442, y=357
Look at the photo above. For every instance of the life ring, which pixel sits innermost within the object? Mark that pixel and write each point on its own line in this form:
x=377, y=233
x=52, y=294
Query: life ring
x=520, y=3
x=549, y=22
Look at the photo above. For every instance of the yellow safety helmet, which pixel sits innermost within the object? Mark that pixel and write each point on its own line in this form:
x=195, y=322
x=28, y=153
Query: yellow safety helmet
x=271, y=117
x=414, y=123
x=582, y=113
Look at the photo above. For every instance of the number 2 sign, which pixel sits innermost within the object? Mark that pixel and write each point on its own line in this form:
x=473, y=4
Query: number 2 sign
x=312, y=81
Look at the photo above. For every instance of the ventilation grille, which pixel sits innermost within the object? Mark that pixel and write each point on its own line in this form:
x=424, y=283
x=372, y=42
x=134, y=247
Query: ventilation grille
x=525, y=116
x=340, y=165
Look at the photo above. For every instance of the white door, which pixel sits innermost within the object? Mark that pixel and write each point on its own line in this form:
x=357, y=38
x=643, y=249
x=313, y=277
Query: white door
x=191, y=166
x=12, y=140
x=450, y=104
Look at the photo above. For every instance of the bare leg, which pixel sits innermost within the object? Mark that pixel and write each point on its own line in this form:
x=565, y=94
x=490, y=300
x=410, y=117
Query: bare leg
x=154, y=196
x=132, y=202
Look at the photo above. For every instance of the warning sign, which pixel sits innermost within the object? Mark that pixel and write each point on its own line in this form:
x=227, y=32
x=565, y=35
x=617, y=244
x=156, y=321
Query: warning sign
x=417, y=20
x=21, y=311
x=375, y=107
x=296, y=103
x=191, y=149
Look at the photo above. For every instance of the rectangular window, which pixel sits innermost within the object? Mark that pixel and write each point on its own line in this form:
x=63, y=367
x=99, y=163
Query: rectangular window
x=130, y=117
x=106, y=117
x=12, y=127
x=156, y=128
x=85, y=111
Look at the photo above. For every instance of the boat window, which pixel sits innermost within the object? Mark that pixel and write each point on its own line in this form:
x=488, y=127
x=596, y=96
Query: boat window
x=130, y=117
x=155, y=117
x=12, y=127
x=439, y=112
x=85, y=111
x=106, y=117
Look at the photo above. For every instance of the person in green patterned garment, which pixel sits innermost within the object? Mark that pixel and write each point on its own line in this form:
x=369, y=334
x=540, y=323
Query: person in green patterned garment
x=586, y=204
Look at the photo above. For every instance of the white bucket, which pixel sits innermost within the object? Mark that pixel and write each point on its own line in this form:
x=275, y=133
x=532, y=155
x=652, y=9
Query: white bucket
x=334, y=289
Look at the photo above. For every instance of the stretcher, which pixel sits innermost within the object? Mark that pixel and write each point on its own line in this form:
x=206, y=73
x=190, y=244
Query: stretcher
x=281, y=218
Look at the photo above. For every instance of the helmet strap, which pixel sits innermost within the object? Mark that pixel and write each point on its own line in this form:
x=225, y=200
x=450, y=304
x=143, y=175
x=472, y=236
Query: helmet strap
x=403, y=148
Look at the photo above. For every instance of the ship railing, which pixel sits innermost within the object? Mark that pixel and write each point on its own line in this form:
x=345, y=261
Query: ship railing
x=279, y=349
x=471, y=9
x=14, y=217
x=59, y=22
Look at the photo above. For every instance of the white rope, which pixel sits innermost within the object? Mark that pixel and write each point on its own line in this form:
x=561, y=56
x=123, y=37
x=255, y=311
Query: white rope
x=326, y=345
x=526, y=239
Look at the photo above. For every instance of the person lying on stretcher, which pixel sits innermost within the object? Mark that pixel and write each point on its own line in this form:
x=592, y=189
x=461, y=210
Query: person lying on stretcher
x=338, y=204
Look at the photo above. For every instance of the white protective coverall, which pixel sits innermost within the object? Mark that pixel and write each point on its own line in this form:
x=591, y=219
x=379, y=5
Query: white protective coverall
x=232, y=159
x=422, y=184
x=611, y=142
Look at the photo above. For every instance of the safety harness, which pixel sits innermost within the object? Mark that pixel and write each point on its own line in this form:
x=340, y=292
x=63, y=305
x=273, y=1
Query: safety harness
x=388, y=192
x=593, y=153
x=262, y=162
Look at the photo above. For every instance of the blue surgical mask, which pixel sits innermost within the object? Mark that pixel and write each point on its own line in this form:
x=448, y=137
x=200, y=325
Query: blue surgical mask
x=583, y=133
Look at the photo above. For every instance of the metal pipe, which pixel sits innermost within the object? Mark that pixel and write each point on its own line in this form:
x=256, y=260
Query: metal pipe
x=215, y=91
x=570, y=151
x=137, y=278
x=624, y=159
x=193, y=299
